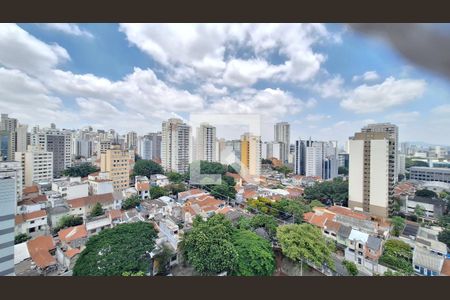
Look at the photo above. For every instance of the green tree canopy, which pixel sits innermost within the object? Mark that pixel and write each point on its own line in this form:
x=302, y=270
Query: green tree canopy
x=419, y=211
x=398, y=224
x=207, y=167
x=175, y=177
x=21, y=238
x=255, y=255
x=147, y=168
x=336, y=189
x=397, y=255
x=97, y=210
x=157, y=191
x=316, y=203
x=115, y=251
x=67, y=221
x=228, y=180
x=131, y=202
x=81, y=170
x=175, y=188
x=444, y=236
x=223, y=191
x=342, y=171
x=426, y=193
x=305, y=242
x=233, y=168
x=351, y=267
x=283, y=169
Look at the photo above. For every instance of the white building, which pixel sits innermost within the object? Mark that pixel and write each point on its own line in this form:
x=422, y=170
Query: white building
x=205, y=145
x=33, y=223
x=282, y=133
x=131, y=140
x=401, y=164
x=100, y=184
x=71, y=188
x=159, y=180
x=144, y=147
x=14, y=169
x=316, y=158
x=175, y=145
x=37, y=165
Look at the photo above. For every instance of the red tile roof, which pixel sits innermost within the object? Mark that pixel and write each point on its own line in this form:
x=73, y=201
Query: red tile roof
x=73, y=233
x=143, y=186
x=39, y=251
x=34, y=200
x=191, y=192
x=84, y=201
x=340, y=210
x=72, y=252
x=317, y=220
x=331, y=225
x=115, y=214
x=22, y=218
x=446, y=268
x=30, y=190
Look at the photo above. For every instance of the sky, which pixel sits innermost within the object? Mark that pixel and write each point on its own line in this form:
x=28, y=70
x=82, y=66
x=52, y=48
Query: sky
x=326, y=80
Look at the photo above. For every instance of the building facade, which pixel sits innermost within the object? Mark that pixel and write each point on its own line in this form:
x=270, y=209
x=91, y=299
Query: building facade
x=206, y=143
x=316, y=159
x=116, y=162
x=37, y=165
x=430, y=174
x=282, y=133
x=251, y=154
x=175, y=145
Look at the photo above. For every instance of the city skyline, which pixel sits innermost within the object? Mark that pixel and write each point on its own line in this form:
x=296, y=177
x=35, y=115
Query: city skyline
x=327, y=84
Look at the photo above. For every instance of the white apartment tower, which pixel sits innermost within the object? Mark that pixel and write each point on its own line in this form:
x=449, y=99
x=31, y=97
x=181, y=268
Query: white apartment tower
x=371, y=173
x=37, y=165
x=175, y=145
x=131, y=140
x=282, y=133
x=206, y=142
x=145, y=147
x=316, y=158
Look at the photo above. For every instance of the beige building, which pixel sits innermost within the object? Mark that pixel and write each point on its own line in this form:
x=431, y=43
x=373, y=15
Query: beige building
x=250, y=155
x=116, y=162
x=175, y=145
x=37, y=165
x=205, y=146
x=371, y=173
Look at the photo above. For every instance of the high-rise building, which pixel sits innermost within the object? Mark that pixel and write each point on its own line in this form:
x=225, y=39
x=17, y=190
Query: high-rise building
x=316, y=158
x=272, y=150
x=131, y=140
x=102, y=146
x=251, y=154
x=59, y=143
x=37, y=165
x=205, y=145
x=16, y=167
x=401, y=164
x=116, y=162
x=343, y=159
x=22, y=138
x=145, y=147
x=371, y=172
x=282, y=133
x=156, y=138
x=175, y=145
x=8, y=201
x=8, y=124
x=83, y=147
x=392, y=131
x=6, y=145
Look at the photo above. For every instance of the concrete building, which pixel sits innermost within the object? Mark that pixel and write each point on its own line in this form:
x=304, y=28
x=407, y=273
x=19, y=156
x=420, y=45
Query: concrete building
x=156, y=138
x=8, y=202
x=7, y=123
x=316, y=159
x=371, y=173
x=102, y=146
x=430, y=174
x=175, y=145
x=100, y=184
x=282, y=133
x=433, y=207
x=343, y=160
x=145, y=147
x=131, y=140
x=71, y=188
x=205, y=146
x=251, y=154
x=401, y=164
x=22, y=138
x=83, y=147
x=272, y=150
x=14, y=169
x=37, y=165
x=33, y=223
x=116, y=162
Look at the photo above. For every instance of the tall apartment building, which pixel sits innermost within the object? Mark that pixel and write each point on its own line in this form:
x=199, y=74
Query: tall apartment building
x=8, y=124
x=371, y=172
x=272, y=150
x=145, y=147
x=343, y=159
x=115, y=161
x=175, y=145
x=401, y=164
x=102, y=146
x=83, y=147
x=16, y=168
x=392, y=131
x=251, y=154
x=282, y=133
x=37, y=165
x=8, y=202
x=59, y=143
x=6, y=145
x=316, y=158
x=206, y=143
x=131, y=140
x=156, y=138
x=22, y=138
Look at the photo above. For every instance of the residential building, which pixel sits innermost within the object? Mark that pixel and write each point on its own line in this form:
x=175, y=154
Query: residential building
x=316, y=158
x=37, y=165
x=142, y=186
x=7, y=123
x=272, y=150
x=83, y=147
x=156, y=138
x=159, y=180
x=73, y=237
x=116, y=162
x=22, y=140
x=401, y=164
x=430, y=174
x=13, y=169
x=99, y=183
x=343, y=159
x=250, y=155
x=41, y=250
x=102, y=146
x=206, y=143
x=131, y=140
x=6, y=145
x=371, y=173
x=144, y=147
x=429, y=253
x=282, y=133
x=433, y=207
x=175, y=145
x=71, y=187
x=33, y=223
x=81, y=207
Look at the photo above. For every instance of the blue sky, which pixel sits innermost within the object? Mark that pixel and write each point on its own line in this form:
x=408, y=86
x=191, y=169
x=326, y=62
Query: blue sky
x=325, y=79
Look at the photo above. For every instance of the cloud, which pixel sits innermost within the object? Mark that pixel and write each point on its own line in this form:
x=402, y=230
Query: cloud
x=403, y=117
x=443, y=109
x=317, y=117
x=377, y=98
x=330, y=88
x=68, y=28
x=367, y=76
x=22, y=51
x=210, y=90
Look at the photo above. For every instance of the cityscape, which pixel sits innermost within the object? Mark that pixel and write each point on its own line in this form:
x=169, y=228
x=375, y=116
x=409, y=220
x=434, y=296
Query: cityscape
x=219, y=150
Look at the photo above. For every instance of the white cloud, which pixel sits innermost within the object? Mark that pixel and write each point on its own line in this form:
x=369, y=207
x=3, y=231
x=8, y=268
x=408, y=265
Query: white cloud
x=377, y=98
x=210, y=90
x=403, y=117
x=69, y=28
x=330, y=88
x=367, y=76
x=22, y=51
x=317, y=117
x=441, y=109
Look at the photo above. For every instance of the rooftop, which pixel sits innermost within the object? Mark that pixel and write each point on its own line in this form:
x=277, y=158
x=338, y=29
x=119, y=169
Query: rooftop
x=84, y=201
x=425, y=258
x=30, y=216
x=39, y=249
x=72, y=233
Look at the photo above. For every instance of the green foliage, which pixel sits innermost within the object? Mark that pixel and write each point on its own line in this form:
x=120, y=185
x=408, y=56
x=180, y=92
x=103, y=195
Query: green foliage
x=316, y=203
x=444, y=221
x=351, y=267
x=342, y=171
x=97, y=210
x=67, y=221
x=414, y=163
x=255, y=255
x=175, y=177
x=140, y=273
x=266, y=161
x=208, y=245
x=223, y=191
x=157, y=191
x=397, y=255
x=115, y=251
x=269, y=223
x=146, y=168
x=163, y=259
x=419, y=211
x=390, y=273
x=426, y=193
x=175, y=188
x=81, y=170
x=21, y=238
x=283, y=169
x=444, y=236
x=228, y=180
x=336, y=189
x=398, y=225
x=281, y=208
x=305, y=242
x=131, y=202
x=233, y=168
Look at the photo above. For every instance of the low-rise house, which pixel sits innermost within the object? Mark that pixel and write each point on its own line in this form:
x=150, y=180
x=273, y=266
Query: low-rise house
x=159, y=180
x=34, y=223
x=73, y=237
x=142, y=186
x=82, y=207
x=116, y=216
x=365, y=250
x=343, y=234
x=132, y=215
x=433, y=207
x=71, y=187
x=67, y=258
x=41, y=250
x=203, y=206
x=97, y=224
x=426, y=263
x=100, y=183
x=192, y=193
x=55, y=214
x=32, y=204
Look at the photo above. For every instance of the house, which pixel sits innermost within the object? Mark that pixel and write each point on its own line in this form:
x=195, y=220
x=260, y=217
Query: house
x=56, y=213
x=159, y=180
x=71, y=187
x=73, y=237
x=32, y=204
x=355, y=250
x=142, y=186
x=67, y=258
x=116, y=216
x=81, y=207
x=427, y=263
x=294, y=192
x=97, y=224
x=41, y=250
x=331, y=229
x=343, y=235
x=100, y=183
x=192, y=193
x=34, y=223
x=30, y=192
x=433, y=207
x=204, y=206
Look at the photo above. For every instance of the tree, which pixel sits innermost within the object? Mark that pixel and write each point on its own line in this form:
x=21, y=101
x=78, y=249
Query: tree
x=304, y=242
x=255, y=255
x=283, y=169
x=426, y=193
x=21, y=238
x=97, y=210
x=233, y=168
x=269, y=223
x=419, y=211
x=207, y=167
x=444, y=221
x=444, y=236
x=131, y=202
x=397, y=255
x=175, y=177
x=351, y=267
x=114, y=251
x=67, y=221
x=81, y=170
x=157, y=191
x=228, y=180
x=146, y=168
x=342, y=171
x=223, y=191
x=398, y=225
x=140, y=273
x=175, y=188
x=162, y=259
x=208, y=246
x=316, y=203
x=296, y=208
x=336, y=190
